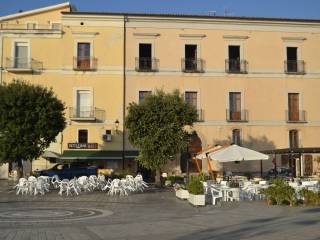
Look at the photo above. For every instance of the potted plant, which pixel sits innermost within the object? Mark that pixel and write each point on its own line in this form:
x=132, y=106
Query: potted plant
x=196, y=192
x=181, y=192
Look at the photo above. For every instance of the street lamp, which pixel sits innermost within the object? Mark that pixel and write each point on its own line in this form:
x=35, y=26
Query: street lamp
x=116, y=123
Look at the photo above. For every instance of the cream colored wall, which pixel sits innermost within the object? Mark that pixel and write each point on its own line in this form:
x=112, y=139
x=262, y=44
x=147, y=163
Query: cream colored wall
x=264, y=89
x=56, y=54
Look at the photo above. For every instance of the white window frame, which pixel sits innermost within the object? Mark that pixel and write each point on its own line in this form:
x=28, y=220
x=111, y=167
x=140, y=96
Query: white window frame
x=75, y=95
x=55, y=22
x=32, y=22
x=235, y=43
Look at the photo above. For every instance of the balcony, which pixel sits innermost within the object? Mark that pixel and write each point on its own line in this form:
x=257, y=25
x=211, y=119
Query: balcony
x=31, y=27
x=190, y=65
x=237, y=116
x=296, y=116
x=23, y=65
x=147, y=64
x=86, y=114
x=294, y=67
x=236, y=66
x=200, y=113
x=85, y=63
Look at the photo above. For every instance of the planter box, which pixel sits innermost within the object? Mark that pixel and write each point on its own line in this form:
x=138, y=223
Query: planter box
x=182, y=194
x=197, y=200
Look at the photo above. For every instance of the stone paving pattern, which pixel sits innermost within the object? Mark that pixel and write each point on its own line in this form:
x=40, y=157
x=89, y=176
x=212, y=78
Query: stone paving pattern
x=152, y=215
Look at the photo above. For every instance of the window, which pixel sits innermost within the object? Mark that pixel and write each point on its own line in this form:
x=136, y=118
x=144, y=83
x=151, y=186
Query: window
x=21, y=55
x=236, y=136
x=145, y=56
x=84, y=105
x=191, y=98
x=56, y=26
x=235, y=106
x=190, y=54
x=31, y=25
x=292, y=64
x=293, y=106
x=83, y=55
x=294, y=138
x=234, y=58
x=83, y=136
x=143, y=94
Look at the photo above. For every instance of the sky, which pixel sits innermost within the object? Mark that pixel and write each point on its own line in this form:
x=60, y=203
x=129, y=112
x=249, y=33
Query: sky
x=259, y=8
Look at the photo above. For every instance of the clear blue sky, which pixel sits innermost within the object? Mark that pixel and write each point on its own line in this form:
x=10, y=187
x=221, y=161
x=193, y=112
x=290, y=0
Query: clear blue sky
x=260, y=8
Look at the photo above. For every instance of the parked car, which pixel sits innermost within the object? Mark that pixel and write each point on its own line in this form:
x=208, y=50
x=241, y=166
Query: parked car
x=68, y=171
x=280, y=172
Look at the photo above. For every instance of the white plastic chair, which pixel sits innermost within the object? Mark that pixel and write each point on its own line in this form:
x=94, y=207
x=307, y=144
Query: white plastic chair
x=216, y=195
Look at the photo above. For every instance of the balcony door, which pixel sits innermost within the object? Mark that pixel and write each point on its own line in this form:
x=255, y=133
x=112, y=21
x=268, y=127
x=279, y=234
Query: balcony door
x=83, y=56
x=84, y=105
x=292, y=59
x=145, y=56
x=234, y=58
x=190, y=57
x=293, y=106
x=235, y=105
x=21, y=55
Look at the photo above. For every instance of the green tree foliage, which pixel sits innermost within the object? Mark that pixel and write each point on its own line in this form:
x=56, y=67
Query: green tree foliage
x=156, y=127
x=31, y=117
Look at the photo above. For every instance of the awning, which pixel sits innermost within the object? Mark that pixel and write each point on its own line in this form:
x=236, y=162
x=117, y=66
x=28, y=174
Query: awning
x=96, y=155
x=50, y=155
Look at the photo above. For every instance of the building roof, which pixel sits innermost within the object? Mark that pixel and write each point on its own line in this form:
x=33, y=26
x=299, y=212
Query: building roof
x=195, y=16
x=35, y=11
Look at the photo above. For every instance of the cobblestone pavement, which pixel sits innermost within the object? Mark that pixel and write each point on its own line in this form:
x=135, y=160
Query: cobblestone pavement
x=151, y=215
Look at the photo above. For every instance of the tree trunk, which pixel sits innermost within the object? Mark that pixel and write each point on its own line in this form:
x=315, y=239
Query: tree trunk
x=158, y=178
x=20, y=169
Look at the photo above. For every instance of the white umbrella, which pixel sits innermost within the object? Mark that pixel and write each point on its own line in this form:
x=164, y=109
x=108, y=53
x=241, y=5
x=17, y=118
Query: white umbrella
x=237, y=153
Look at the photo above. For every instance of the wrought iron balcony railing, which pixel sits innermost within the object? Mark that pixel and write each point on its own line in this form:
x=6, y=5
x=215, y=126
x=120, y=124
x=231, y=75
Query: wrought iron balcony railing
x=85, y=63
x=294, y=67
x=86, y=114
x=237, y=116
x=23, y=64
x=236, y=66
x=296, y=116
x=191, y=65
x=147, y=64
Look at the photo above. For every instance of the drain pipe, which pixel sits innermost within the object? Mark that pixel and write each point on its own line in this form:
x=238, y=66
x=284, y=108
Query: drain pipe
x=1, y=59
x=125, y=19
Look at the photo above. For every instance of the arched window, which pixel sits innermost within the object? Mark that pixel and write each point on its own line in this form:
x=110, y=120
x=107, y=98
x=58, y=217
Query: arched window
x=236, y=136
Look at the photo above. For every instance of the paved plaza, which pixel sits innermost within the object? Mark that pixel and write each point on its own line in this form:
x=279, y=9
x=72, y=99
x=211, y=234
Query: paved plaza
x=154, y=214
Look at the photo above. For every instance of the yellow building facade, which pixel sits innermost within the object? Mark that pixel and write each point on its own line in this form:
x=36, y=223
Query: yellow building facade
x=254, y=81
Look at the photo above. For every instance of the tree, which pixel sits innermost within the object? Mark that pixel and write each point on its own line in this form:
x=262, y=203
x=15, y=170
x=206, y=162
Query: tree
x=156, y=127
x=31, y=117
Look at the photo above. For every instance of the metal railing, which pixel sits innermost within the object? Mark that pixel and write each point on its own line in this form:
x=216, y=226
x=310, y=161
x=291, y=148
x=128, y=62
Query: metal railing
x=147, y=64
x=85, y=63
x=26, y=26
x=200, y=113
x=296, y=116
x=18, y=63
x=294, y=67
x=191, y=65
x=237, y=116
x=236, y=66
x=86, y=113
